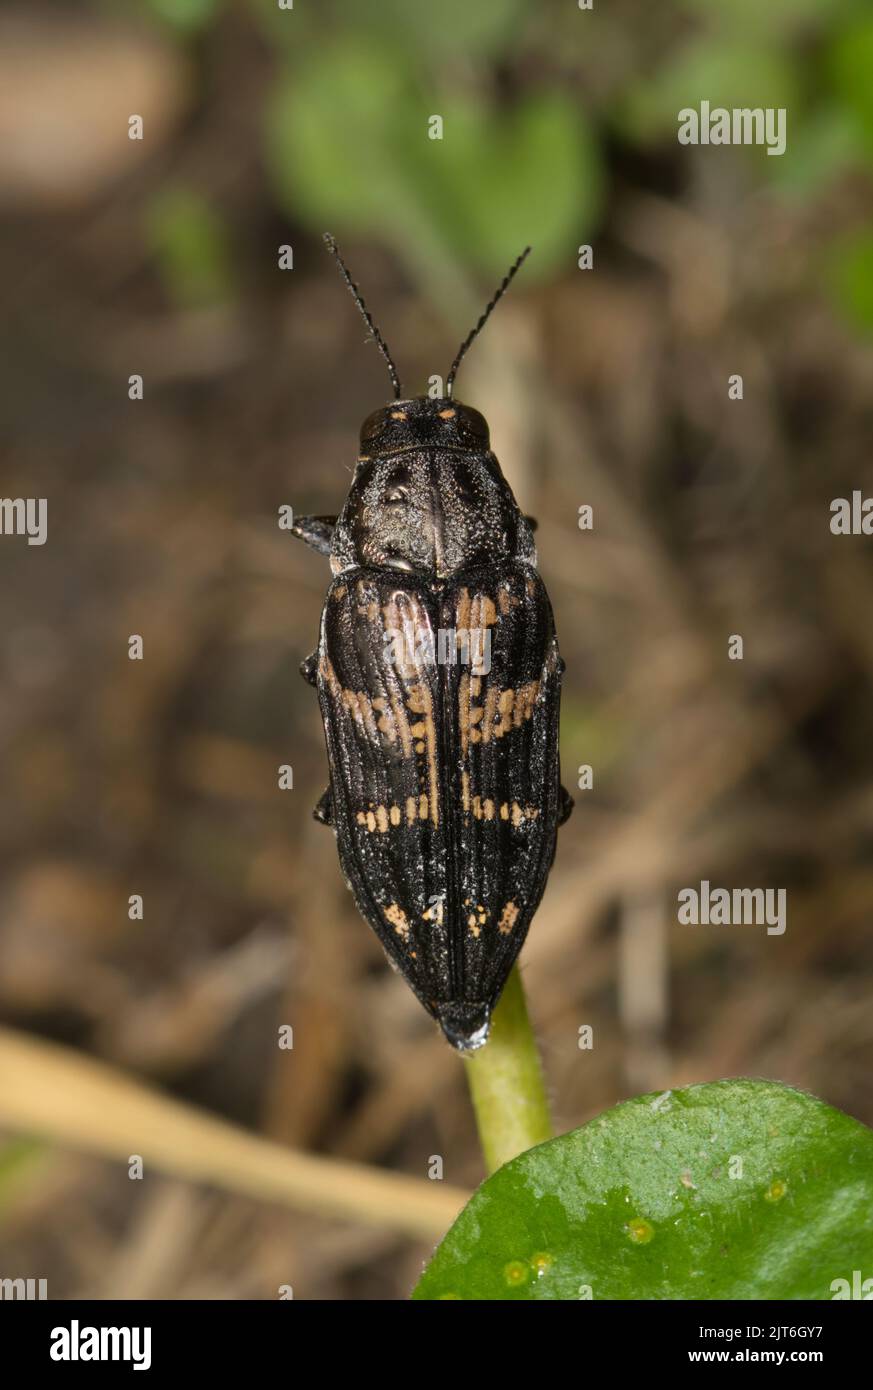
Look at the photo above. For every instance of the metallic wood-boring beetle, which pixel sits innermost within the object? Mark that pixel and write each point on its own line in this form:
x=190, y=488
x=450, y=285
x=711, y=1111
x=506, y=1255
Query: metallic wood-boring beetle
x=439, y=678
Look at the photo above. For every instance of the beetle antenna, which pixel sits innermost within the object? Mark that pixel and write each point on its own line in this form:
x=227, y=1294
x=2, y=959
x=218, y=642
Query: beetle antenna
x=462, y=350
x=365, y=313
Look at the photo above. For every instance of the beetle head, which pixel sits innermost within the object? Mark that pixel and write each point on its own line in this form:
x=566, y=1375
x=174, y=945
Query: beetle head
x=423, y=423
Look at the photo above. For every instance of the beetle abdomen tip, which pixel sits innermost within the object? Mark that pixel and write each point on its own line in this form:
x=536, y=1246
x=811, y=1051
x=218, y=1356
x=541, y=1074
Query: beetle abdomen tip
x=465, y=1025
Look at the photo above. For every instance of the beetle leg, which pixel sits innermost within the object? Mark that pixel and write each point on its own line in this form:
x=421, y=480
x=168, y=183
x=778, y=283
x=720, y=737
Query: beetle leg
x=565, y=805
x=324, y=810
x=316, y=531
x=308, y=668
x=532, y=522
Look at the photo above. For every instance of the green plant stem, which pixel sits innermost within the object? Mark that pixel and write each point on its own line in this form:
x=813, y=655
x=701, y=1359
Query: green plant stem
x=506, y=1082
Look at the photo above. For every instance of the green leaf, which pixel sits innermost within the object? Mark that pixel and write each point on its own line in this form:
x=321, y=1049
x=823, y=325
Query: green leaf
x=735, y=1189
x=439, y=31
x=348, y=149
x=543, y=147
x=722, y=73
x=332, y=130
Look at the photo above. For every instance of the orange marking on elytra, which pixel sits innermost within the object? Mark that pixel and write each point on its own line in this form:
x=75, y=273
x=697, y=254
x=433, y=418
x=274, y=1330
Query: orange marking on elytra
x=464, y=711
x=462, y=610
x=402, y=725
x=420, y=701
x=488, y=720
x=397, y=917
x=508, y=918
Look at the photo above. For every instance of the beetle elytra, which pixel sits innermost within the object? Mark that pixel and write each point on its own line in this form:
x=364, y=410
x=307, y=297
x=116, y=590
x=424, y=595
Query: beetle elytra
x=438, y=677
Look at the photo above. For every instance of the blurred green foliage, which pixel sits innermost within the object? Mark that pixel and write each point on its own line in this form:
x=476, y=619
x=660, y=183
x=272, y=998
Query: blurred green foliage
x=533, y=101
x=760, y=18
x=724, y=73
x=348, y=147
x=187, y=237
x=482, y=29
x=850, y=278
x=185, y=16
x=20, y=1160
x=851, y=69
x=590, y=727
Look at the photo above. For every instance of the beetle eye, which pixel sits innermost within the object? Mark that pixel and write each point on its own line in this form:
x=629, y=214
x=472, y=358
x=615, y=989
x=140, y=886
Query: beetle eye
x=396, y=494
x=476, y=423
x=373, y=426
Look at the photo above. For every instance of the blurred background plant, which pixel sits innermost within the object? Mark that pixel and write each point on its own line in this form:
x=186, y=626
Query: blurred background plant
x=266, y=127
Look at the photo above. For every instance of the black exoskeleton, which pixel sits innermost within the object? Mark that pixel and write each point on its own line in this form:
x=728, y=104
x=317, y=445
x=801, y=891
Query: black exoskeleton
x=438, y=677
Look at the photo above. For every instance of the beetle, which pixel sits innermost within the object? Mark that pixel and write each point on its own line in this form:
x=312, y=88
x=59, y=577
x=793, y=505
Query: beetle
x=438, y=677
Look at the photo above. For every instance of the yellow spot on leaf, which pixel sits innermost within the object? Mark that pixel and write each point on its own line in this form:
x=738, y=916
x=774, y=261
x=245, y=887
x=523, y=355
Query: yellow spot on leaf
x=516, y=1272
x=776, y=1191
x=640, y=1231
